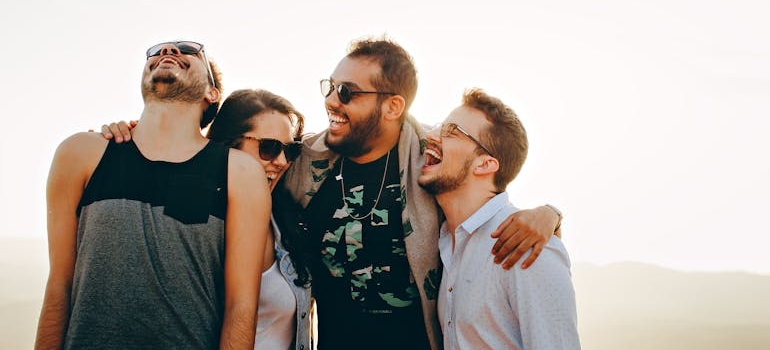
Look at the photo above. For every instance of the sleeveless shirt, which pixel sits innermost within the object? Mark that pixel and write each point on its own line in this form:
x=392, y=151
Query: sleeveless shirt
x=149, y=271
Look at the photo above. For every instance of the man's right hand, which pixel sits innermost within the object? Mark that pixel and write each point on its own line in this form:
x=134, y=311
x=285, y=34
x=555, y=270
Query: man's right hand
x=121, y=130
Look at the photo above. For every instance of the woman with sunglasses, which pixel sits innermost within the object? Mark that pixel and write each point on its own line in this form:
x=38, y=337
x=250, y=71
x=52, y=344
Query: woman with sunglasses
x=265, y=125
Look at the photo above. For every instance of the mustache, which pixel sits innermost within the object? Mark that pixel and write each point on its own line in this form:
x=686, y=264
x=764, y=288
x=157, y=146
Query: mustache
x=336, y=111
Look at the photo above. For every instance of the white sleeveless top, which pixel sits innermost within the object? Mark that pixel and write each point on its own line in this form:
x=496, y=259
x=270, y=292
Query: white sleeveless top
x=277, y=309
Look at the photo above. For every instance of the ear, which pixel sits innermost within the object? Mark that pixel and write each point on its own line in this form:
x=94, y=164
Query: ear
x=213, y=95
x=489, y=165
x=393, y=107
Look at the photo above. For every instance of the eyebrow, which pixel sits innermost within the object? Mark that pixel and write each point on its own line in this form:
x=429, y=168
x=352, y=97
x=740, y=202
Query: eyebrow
x=350, y=84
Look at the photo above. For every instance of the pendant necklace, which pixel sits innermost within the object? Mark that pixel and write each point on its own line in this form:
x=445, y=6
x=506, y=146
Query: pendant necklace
x=342, y=189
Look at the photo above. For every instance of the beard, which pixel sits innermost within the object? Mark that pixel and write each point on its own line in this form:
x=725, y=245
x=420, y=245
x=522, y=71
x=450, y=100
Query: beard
x=358, y=141
x=447, y=182
x=166, y=86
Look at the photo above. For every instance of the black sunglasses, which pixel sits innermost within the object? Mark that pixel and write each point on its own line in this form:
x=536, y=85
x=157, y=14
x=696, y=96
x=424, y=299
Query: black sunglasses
x=344, y=92
x=185, y=48
x=269, y=149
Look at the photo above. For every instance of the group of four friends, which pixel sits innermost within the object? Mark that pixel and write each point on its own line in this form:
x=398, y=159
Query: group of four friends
x=161, y=238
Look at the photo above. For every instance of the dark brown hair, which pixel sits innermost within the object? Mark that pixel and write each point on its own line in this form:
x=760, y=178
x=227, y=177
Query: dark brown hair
x=397, y=75
x=211, y=111
x=231, y=123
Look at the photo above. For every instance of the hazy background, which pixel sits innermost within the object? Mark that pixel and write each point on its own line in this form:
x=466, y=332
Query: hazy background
x=647, y=121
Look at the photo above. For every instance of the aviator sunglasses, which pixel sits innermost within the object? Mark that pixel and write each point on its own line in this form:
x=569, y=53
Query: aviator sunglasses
x=344, y=92
x=186, y=48
x=269, y=149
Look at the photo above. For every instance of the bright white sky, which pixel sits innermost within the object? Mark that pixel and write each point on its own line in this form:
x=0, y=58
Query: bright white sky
x=648, y=120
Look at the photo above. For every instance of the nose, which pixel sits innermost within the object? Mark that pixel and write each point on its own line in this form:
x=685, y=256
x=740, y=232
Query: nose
x=281, y=160
x=170, y=49
x=434, y=135
x=333, y=100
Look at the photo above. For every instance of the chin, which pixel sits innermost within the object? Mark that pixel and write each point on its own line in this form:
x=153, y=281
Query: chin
x=333, y=138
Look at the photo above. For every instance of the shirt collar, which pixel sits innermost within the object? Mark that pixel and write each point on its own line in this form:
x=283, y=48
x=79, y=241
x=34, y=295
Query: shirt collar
x=485, y=213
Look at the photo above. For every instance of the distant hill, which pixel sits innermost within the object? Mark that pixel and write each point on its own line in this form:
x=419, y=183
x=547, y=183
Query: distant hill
x=629, y=306
x=634, y=306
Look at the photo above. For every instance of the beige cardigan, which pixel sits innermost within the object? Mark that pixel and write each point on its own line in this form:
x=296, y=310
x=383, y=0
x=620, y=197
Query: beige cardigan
x=420, y=215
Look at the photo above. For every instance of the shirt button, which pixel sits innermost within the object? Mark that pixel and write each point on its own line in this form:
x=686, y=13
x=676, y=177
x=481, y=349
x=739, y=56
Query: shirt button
x=450, y=289
x=301, y=347
x=304, y=314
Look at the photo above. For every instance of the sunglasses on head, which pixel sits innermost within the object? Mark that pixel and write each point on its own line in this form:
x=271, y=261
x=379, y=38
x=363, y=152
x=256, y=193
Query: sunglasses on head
x=185, y=48
x=344, y=92
x=269, y=149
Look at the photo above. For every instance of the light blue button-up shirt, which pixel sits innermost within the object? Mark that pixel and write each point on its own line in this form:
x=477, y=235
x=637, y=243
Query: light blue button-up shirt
x=482, y=306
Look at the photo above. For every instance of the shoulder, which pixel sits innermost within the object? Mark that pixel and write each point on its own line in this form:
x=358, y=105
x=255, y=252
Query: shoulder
x=244, y=170
x=76, y=158
x=83, y=141
x=81, y=147
x=243, y=162
x=552, y=265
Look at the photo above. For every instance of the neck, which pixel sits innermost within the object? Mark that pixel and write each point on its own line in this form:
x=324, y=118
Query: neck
x=459, y=204
x=169, y=130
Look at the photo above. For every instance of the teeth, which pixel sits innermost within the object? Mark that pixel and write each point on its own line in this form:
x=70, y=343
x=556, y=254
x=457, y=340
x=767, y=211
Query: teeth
x=432, y=157
x=334, y=118
x=433, y=153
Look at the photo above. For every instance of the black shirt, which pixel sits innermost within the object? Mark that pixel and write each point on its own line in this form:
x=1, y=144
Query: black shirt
x=366, y=296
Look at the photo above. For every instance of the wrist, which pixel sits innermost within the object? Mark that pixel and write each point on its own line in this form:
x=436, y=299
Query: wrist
x=559, y=216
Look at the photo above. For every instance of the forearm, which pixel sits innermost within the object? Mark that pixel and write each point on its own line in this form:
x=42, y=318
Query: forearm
x=53, y=321
x=238, y=328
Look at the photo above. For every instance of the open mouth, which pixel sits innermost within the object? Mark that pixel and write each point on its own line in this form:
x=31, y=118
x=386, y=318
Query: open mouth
x=271, y=177
x=172, y=60
x=336, y=118
x=432, y=157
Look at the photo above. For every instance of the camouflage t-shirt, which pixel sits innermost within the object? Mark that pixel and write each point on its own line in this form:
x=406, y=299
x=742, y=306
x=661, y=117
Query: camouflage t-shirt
x=365, y=293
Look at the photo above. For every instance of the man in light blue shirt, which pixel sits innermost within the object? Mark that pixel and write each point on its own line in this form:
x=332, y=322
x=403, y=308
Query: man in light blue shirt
x=480, y=305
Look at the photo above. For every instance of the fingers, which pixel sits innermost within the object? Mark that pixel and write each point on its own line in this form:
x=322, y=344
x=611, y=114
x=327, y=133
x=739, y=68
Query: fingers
x=507, y=245
x=515, y=255
x=536, y=250
x=503, y=225
x=121, y=129
x=106, y=132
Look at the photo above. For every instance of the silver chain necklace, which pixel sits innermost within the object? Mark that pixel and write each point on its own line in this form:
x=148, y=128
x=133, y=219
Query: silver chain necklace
x=342, y=189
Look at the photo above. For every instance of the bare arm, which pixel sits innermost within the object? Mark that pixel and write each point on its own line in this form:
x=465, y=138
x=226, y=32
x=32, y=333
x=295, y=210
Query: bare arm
x=522, y=230
x=247, y=222
x=72, y=165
